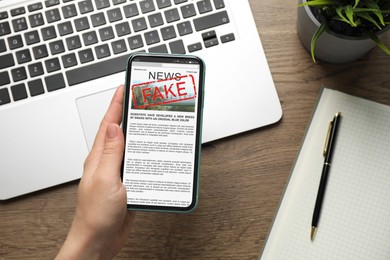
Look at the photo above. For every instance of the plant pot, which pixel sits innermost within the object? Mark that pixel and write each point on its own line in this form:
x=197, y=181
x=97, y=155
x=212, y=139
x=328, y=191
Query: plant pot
x=330, y=47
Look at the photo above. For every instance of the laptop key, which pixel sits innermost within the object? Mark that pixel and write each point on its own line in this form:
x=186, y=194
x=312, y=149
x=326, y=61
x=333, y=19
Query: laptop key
x=179, y=1
x=73, y=42
x=4, y=78
x=152, y=37
x=35, y=87
x=23, y=56
x=19, y=74
x=35, y=7
x=53, y=15
x=227, y=38
x=139, y=24
x=4, y=96
x=155, y=20
x=184, y=28
x=102, y=51
x=65, y=28
x=100, y=4
x=19, y=92
x=56, y=47
x=50, y=3
x=69, y=60
x=188, y=10
x=54, y=82
x=119, y=46
x=106, y=33
x=211, y=42
x=117, y=2
x=159, y=49
x=19, y=24
x=90, y=38
x=48, y=33
x=172, y=15
x=35, y=69
x=18, y=11
x=69, y=11
x=98, y=19
x=122, y=29
x=219, y=4
x=209, y=35
x=211, y=20
x=4, y=28
x=7, y=60
x=2, y=45
x=52, y=65
x=177, y=47
x=31, y=37
x=114, y=15
x=194, y=47
x=3, y=15
x=163, y=3
x=40, y=51
x=86, y=56
x=135, y=42
x=15, y=42
x=36, y=20
x=168, y=33
x=130, y=10
x=204, y=6
x=147, y=6
x=97, y=70
x=85, y=6
x=81, y=24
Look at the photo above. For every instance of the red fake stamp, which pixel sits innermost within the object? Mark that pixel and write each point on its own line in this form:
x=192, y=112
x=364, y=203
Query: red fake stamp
x=163, y=92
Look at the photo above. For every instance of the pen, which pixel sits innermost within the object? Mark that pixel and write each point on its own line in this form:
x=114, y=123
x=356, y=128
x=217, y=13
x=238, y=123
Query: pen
x=328, y=151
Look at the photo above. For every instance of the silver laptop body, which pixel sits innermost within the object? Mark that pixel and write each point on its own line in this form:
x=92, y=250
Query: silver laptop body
x=50, y=105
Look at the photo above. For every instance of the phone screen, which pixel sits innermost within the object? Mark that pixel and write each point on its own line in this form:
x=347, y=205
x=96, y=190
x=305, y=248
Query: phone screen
x=162, y=127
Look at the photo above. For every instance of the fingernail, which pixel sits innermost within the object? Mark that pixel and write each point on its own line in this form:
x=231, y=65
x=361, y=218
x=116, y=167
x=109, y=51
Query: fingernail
x=112, y=131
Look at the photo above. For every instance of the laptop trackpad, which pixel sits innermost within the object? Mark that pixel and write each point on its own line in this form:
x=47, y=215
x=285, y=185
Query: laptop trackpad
x=91, y=110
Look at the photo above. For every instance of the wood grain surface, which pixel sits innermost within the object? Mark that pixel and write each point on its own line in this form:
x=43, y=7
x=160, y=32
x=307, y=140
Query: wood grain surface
x=242, y=177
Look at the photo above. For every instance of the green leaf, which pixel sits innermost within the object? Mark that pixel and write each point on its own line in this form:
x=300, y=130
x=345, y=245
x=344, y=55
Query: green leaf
x=356, y=3
x=358, y=10
x=319, y=3
x=350, y=15
x=377, y=11
x=378, y=42
x=314, y=39
x=367, y=17
x=339, y=12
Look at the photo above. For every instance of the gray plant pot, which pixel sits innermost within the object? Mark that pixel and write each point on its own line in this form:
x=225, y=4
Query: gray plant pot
x=330, y=47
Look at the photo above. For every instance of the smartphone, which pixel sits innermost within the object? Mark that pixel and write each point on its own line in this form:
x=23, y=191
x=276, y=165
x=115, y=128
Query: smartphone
x=162, y=126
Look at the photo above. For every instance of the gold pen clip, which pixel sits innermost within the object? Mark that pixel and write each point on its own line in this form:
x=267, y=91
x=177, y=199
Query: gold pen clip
x=327, y=139
x=328, y=134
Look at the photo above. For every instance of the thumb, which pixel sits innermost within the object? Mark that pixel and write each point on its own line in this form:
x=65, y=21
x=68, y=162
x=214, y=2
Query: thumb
x=111, y=160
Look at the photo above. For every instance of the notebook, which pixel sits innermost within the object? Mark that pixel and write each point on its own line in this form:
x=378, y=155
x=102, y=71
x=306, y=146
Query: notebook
x=354, y=221
x=61, y=60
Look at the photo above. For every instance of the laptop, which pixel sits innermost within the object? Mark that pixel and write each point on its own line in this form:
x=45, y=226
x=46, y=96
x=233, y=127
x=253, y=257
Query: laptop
x=61, y=61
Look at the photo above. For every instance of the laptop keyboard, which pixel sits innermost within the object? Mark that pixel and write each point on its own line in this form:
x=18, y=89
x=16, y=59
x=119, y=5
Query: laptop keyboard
x=50, y=45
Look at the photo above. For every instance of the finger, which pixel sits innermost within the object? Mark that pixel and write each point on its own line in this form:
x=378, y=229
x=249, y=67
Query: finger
x=113, y=115
x=111, y=159
x=114, y=111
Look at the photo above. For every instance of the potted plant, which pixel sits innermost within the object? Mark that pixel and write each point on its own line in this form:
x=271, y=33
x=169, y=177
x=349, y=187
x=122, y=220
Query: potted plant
x=341, y=31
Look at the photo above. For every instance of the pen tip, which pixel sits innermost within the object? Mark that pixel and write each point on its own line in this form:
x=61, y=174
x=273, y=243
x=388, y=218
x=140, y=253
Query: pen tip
x=313, y=232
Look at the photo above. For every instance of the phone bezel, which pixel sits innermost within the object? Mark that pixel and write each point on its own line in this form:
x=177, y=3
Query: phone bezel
x=169, y=58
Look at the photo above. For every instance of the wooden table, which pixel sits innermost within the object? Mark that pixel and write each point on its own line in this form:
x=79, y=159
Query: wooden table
x=242, y=177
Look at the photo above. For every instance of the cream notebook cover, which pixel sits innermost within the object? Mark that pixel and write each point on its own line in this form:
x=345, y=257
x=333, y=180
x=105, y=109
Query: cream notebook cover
x=355, y=217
